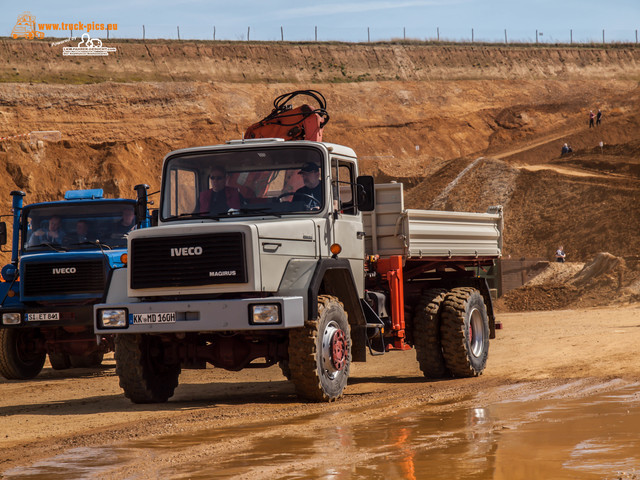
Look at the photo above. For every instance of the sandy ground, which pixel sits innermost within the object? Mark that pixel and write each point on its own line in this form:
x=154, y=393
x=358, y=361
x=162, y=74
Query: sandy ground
x=59, y=411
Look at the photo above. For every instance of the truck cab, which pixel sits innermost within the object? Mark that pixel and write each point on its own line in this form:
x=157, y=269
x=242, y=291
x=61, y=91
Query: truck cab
x=63, y=254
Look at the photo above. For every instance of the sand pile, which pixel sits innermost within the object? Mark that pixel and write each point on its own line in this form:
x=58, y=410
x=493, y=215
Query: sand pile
x=605, y=280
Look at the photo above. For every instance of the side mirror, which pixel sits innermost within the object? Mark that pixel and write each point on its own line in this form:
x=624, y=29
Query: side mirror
x=3, y=233
x=141, y=204
x=365, y=197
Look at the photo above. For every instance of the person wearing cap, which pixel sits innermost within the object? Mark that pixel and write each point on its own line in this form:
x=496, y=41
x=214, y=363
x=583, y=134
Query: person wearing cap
x=219, y=198
x=311, y=192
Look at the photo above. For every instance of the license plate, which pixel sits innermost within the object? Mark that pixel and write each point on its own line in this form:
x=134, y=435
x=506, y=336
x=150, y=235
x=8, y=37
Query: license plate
x=42, y=317
x=146, y=318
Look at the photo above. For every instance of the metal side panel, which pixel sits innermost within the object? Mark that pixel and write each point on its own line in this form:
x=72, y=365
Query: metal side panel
x=451, y=234
x=383, y=224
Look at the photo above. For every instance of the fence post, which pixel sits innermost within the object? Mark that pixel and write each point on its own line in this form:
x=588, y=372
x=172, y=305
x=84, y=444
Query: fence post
x=142, y=32
x=178, y=32
x=571, y=36
x=472, y=35
x=438, y=30
x=214, y=33
x=281, y=33
x=316, y=33
x=536, y=37
x=505, y=36
x=636, y=36
x=404, y=33
x=603, y=36
x=107, y=32
x=71, y=34
x=248, y=32
x=368, y=36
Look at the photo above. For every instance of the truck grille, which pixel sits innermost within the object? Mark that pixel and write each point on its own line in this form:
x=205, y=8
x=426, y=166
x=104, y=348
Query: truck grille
x=188, y=260
x=63, y=278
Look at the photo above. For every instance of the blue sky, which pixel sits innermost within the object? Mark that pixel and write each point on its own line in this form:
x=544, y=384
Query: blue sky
x=346, y=20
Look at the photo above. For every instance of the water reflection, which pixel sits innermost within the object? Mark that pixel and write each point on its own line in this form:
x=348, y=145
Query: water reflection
x=545, y=433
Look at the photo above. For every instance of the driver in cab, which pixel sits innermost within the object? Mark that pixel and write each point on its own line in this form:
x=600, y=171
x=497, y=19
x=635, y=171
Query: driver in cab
x=311, y=192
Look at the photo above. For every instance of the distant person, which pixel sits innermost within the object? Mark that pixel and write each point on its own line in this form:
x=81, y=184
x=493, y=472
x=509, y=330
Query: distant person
x=53, y=233
x=125, y=224
x=560, y=255
x=598, y=117
x=565, y=150
x=592, y=116
x=570, y=150
x=219, y=198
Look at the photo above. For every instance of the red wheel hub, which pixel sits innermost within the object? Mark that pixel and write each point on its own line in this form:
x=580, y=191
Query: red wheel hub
x=338, y=350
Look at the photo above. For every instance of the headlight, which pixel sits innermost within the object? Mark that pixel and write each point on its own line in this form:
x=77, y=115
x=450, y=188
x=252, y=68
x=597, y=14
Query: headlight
x=12, y=318
x=113, y=318
x=264, y=314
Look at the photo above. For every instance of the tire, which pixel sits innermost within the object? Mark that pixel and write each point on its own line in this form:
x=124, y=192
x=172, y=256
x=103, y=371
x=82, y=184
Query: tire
x=426, y=334
x=16, y=361
x=464, y=331
x=91, y=360
x=140, y=365
x=284, y=367
x=59, y=361
x=320, y=353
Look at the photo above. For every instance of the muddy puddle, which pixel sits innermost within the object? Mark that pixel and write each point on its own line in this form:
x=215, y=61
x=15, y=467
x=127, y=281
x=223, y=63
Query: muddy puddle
x=575, y=430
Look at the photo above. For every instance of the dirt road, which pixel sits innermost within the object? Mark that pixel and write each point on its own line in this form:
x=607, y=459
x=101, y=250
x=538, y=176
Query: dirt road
x=60, y=412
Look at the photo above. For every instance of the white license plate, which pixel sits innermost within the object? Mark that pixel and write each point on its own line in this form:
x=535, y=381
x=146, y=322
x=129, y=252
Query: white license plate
x=42, y=317
x=145, y=318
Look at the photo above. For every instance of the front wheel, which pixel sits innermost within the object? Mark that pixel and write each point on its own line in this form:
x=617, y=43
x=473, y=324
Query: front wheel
x=19, y=359
x=320, y=353
x=464, y=331
x=144, y=375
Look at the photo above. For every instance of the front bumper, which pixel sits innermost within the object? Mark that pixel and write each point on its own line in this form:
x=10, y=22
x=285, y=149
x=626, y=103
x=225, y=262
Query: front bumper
x=47, y=316
x=227, y=315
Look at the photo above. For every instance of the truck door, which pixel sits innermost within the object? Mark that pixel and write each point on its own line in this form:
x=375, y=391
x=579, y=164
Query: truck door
x=347, y=222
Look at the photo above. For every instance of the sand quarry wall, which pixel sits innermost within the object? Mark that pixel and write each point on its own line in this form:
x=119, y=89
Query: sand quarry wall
x=419, y=114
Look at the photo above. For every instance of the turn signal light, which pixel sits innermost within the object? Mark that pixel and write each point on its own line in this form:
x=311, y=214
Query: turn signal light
x=335, y=248
x=124, y=258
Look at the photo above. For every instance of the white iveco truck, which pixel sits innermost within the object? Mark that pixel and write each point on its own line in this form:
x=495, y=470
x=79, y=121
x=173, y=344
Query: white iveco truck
x=271, y=252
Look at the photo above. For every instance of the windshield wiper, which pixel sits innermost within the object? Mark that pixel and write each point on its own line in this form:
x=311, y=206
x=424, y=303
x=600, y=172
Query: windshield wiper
x=193, y=215
x=96, y=244
x=58, y=248
x=266, y=210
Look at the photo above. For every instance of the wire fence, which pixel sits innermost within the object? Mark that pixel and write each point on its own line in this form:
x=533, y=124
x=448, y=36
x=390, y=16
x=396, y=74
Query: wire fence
x=314, y=33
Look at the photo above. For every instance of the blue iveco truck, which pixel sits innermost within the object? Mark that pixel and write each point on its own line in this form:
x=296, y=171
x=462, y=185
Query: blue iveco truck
x=62, y=256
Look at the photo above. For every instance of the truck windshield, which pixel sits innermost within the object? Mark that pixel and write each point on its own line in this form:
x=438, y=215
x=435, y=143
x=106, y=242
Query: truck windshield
x=77, y=225
x=259, y=181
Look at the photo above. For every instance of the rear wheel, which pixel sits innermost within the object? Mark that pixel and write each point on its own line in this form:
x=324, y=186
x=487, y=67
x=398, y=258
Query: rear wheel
x=144, y=375
x=91, y=360
x=464, y=331
x=284, y=367
x=18, y=358
x=320, y=353
x=59, y=361
x=426, y=333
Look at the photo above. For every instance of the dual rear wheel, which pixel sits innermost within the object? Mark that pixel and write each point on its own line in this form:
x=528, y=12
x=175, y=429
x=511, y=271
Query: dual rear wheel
x=451, y=333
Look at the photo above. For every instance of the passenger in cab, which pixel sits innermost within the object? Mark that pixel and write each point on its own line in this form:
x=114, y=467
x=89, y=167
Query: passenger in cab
x=219, y=198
